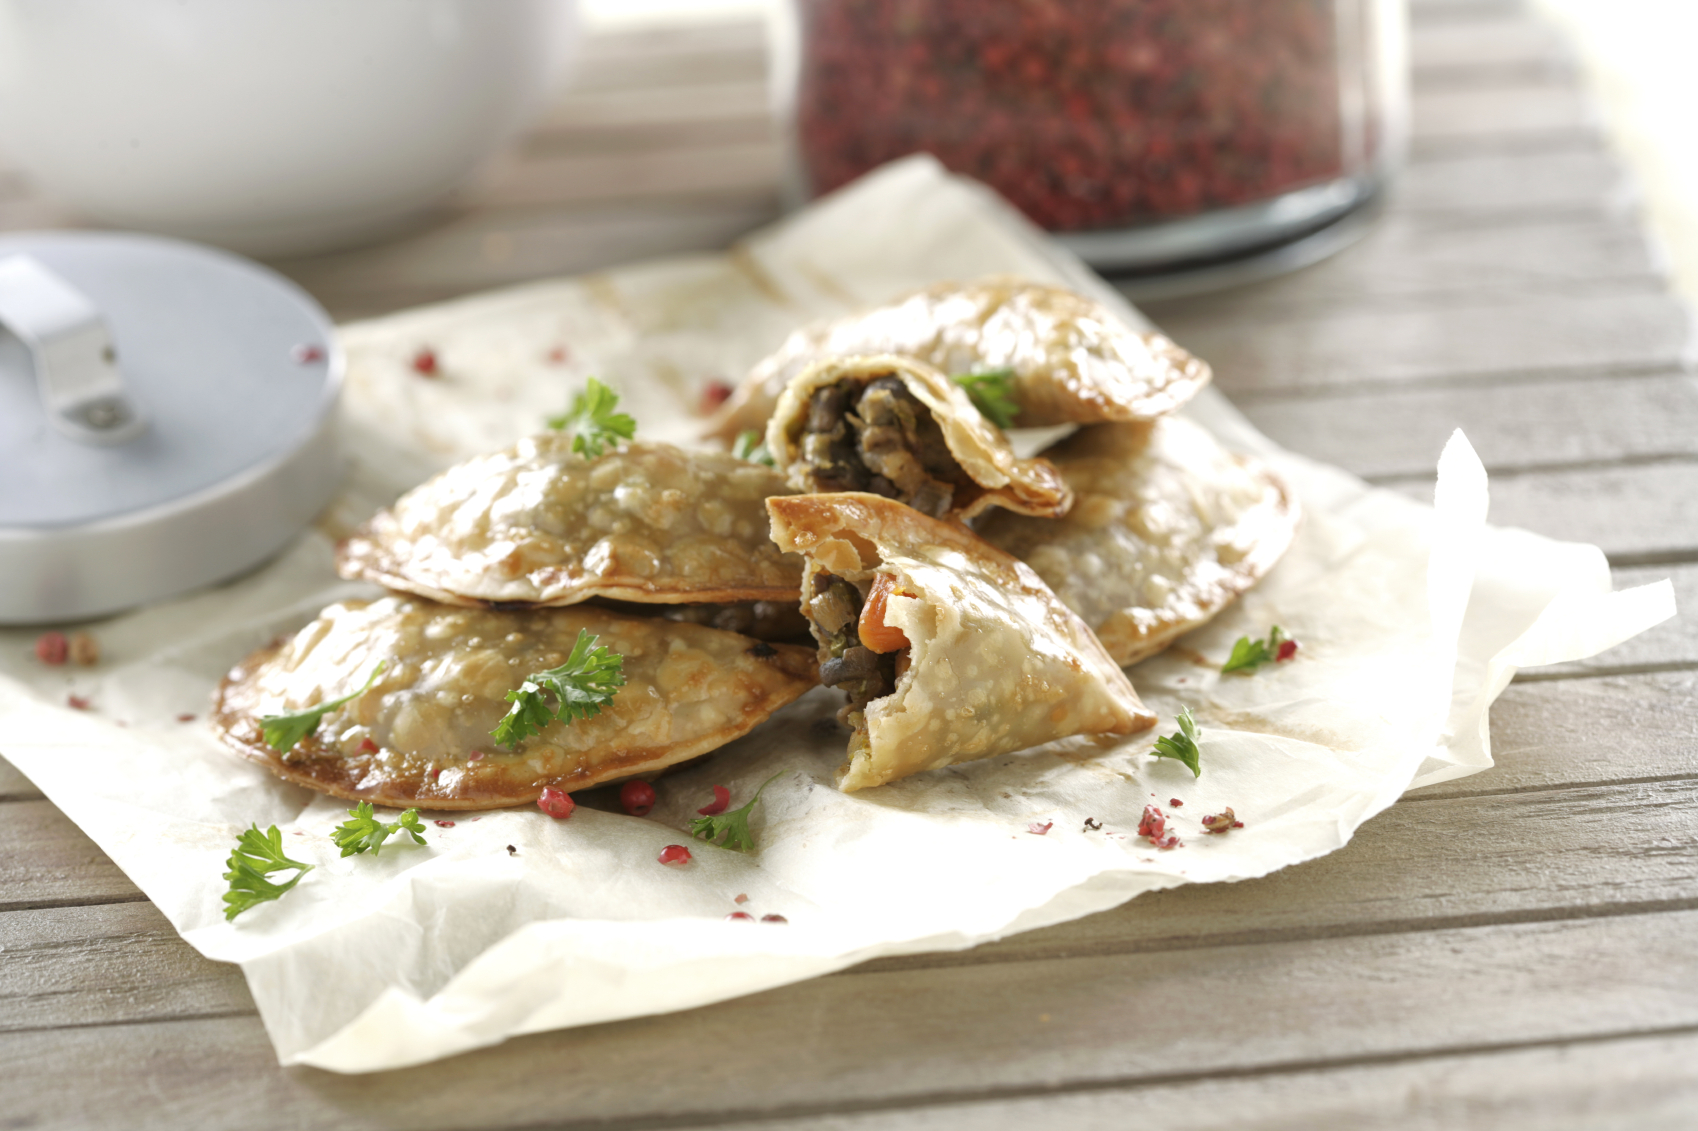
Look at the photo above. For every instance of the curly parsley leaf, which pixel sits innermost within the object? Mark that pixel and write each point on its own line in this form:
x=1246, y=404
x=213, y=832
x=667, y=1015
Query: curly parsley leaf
x=587, y=681
x=593, y=423
x=992, y=393
x=730, y=830
x=281, y=732
x=1248, y=655
x=256, y=856
x=366, y=831
x=751, y=447
x=1182, y=745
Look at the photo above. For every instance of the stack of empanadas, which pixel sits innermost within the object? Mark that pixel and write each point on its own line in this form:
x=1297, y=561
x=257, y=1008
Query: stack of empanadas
x=700, y=568
x=660, y=554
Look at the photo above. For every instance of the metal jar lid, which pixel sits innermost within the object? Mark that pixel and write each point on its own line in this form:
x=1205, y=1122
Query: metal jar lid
x=167, y=420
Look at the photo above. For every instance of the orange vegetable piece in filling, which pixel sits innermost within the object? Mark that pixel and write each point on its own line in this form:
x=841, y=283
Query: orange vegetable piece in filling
x=874, y=633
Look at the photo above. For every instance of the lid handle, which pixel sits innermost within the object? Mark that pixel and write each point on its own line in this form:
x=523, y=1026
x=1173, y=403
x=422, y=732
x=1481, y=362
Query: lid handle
x=76, y=366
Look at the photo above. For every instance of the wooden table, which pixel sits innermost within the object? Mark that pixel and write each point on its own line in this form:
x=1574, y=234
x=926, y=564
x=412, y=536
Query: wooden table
x=1516, y=948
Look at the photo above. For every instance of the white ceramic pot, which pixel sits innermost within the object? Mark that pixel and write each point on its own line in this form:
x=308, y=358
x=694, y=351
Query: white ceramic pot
x=273, y=127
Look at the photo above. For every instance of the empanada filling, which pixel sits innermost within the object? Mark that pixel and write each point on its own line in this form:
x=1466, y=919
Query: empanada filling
x=880, y=438
x=843, y=622
x=779, y=621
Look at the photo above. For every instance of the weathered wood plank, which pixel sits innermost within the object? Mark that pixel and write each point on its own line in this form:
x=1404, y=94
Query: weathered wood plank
x=14, y=786
x=1638, y=514
x=907, y=1035
x=650, y=115
x=1575, y=181
x=107, y=964
x=1449, y=860
x=1441, y=337
x=1502, y=44
x=1644, y=1083
x=1407, y=259
x=45, y=860
x=1381, y=433
x=741, y=169
x=491, y=249
x=650, y=57
x=1522, y=115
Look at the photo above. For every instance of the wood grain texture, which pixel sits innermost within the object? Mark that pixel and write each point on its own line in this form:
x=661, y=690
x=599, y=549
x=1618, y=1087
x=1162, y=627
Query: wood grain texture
x=1645, y=1083
x=1445, y=337
x=46, y=861
x=14, y=786
x=1514, y=425
x=1580, y=181
x=100, y=965
x=903, y=1036
x=1405, y=260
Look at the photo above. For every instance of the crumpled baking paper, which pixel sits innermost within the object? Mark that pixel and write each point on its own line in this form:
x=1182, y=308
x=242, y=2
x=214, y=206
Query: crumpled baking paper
x=1411, y=619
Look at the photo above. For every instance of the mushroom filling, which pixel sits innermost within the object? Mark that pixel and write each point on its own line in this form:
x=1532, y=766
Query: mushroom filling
x=883, y=439
x=846, y=663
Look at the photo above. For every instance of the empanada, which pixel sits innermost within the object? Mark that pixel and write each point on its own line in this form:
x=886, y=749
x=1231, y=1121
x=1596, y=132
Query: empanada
x=1167, y=530
x=899, y=428
x=1073, y=360
x=950, y=650
x=537, y=525
x=421, y=735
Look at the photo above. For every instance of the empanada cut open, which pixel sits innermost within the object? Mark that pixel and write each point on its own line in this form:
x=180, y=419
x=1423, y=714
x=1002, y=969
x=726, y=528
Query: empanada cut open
x=1071, y=359
x=900, y=429
x=949, y=649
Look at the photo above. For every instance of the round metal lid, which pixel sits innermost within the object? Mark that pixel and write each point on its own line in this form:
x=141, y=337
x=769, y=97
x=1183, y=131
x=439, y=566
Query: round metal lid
x=166, y=419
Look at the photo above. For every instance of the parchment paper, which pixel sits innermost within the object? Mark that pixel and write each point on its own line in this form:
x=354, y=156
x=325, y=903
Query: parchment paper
x=1412, y=619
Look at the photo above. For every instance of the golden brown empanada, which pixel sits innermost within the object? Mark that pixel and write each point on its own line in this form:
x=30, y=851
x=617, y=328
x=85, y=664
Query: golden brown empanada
x=899, y=428
x=537, y=525
x=1073, y=360
x=950, y=650
x=1168, y=528
x=421, y=735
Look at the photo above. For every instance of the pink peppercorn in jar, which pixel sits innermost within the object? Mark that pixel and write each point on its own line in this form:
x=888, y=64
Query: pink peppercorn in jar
x=1148, y=134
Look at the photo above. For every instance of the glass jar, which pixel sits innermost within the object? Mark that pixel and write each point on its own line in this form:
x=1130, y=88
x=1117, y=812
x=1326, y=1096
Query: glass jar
x=1150, y=135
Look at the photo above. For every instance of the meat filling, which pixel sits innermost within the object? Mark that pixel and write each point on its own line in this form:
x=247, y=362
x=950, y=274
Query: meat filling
x=883, y=439
x=846, y=663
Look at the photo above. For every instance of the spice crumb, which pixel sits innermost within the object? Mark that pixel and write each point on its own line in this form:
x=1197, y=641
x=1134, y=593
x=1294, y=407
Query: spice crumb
x=444, y=824
x=77, y=702
x=185, y=717
x=774, y=919
x=424, y=362
x=511, y=851
x=84, y=650
x=1224, y=821
x=1176, y=803
x=742, y=898
x=1092, y=825
x=52, y=649
x=714, y=394
x=1039, y=830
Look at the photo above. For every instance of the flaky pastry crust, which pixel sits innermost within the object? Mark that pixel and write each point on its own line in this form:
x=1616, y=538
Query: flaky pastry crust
x=1168, y=529
x=1074, y=361
x=421, y=735
x=536, y=525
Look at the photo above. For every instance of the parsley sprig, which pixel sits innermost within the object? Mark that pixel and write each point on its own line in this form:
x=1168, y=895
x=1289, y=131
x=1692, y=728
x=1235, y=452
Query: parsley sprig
x=730, y=830
x=281, y=732
x=366, y=831
x=1182, y=745
x=593, y=423
x=992, y=393
x=750, y=446
x=1248, y=655
x=588, y=680
x=256, y=856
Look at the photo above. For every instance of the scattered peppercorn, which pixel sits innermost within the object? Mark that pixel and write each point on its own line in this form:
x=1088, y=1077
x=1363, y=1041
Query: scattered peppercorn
x=774, y=919
x=52, y=648
x=636, y=798
x=424, y=363
x=1223, y=822
x=714, y=394
x=675, y=854
x=78, y=703
x=557, y=803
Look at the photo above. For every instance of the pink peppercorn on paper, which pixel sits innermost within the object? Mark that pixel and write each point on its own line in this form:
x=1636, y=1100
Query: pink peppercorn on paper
x=1411, y=618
